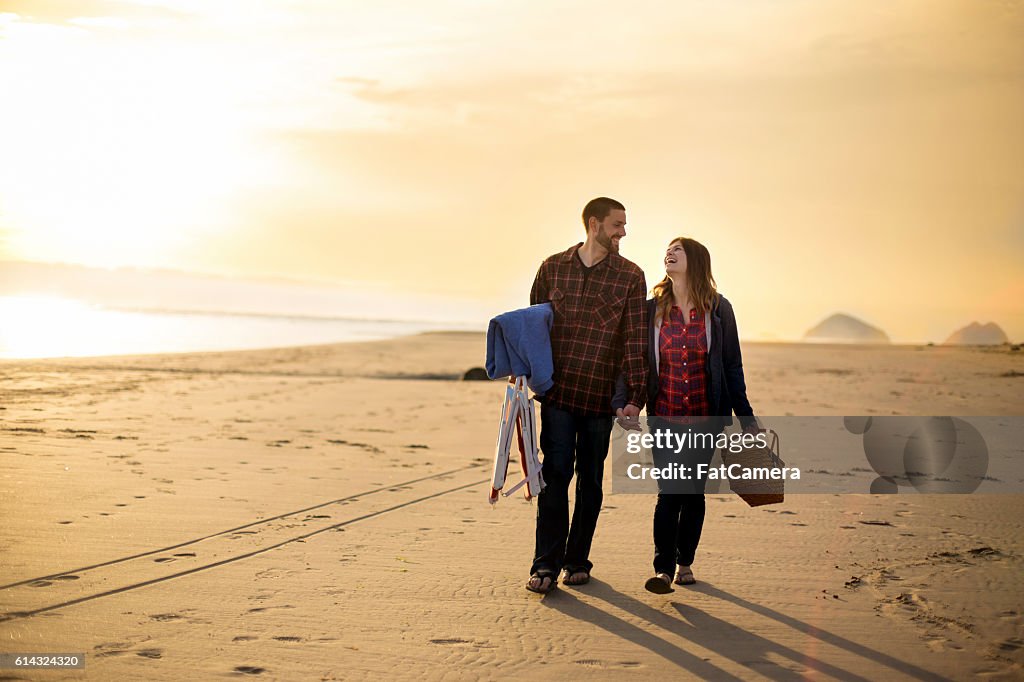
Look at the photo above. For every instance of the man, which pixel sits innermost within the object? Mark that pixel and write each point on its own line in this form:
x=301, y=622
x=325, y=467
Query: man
x=598, y=329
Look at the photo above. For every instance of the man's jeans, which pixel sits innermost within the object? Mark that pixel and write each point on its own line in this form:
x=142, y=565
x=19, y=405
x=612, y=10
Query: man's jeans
x=569, y=441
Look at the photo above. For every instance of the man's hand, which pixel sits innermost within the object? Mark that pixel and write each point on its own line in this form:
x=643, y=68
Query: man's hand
x=628, y=417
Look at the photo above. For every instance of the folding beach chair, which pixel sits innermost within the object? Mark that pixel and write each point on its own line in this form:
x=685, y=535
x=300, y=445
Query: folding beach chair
x=517, y=413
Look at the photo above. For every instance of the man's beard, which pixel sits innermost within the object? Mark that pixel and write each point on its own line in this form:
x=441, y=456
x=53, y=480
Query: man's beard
x=604, y=240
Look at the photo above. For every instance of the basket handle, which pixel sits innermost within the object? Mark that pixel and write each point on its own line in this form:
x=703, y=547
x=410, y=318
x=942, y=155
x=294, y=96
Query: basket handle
x=775, y=448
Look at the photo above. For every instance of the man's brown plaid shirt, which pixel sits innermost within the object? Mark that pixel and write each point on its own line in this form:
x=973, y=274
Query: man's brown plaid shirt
x=598, y=328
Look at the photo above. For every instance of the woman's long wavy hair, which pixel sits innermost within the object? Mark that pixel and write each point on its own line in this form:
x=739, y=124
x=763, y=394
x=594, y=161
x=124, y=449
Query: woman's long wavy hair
x=699, y=280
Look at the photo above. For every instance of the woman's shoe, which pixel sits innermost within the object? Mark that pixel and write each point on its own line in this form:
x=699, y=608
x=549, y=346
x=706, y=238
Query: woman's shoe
x=661, y=583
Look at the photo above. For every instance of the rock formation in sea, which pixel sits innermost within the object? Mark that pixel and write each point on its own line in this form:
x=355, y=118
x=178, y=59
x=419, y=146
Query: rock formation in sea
x=840, y=328
x=976, y=334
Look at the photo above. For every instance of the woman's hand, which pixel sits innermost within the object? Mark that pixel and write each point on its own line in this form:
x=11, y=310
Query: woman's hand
x=752, y=428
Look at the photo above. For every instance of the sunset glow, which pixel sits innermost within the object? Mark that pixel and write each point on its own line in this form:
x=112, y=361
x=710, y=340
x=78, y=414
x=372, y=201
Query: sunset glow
x=833, y=156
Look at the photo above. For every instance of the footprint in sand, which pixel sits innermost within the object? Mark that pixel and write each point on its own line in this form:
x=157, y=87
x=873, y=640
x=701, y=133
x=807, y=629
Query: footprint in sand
x=249, y=669
x=985, y=552
x=165, y=617
x=1011, y=644
x=112, y=649
x=260, y=609
x=594, y=663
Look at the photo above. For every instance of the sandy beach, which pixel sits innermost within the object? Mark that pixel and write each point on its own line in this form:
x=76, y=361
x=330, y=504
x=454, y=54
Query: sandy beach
x=320, y=513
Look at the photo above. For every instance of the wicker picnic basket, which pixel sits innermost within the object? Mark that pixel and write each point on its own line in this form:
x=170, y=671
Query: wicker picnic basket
x=757, y=492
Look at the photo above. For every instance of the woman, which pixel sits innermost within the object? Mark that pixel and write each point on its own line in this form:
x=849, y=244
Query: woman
x=696, y=373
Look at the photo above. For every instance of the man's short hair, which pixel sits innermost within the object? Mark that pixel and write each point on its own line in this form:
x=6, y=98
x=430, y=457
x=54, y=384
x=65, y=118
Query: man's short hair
x=600, y=208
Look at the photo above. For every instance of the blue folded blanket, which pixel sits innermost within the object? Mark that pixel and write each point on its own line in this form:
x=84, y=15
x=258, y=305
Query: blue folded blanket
x=519, y=344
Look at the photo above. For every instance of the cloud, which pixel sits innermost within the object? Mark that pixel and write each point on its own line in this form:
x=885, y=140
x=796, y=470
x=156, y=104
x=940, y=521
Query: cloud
x=60, y=11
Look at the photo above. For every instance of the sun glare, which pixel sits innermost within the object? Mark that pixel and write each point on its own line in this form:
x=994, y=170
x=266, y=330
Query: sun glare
x=39, y=326
x=108, y=160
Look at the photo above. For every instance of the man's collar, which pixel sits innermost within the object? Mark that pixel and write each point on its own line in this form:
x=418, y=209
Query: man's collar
x=570, y=252
x=613, y=259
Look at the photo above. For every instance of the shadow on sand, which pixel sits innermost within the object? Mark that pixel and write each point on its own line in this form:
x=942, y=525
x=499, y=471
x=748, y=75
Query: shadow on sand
x=713, y=634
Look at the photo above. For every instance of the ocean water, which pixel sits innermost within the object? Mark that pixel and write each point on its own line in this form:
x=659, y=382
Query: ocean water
x=48, y=327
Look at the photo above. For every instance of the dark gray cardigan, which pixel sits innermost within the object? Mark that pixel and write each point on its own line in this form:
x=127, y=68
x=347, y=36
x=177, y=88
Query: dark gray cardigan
x=727, y=391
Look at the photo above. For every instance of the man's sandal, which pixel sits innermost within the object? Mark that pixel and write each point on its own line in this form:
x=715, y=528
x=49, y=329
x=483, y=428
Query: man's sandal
x=541, y=587
x=684, y=576
x=659, y=584
x=571, y=579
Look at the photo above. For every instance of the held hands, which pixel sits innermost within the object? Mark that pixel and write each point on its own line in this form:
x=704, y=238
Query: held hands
x=628, y=417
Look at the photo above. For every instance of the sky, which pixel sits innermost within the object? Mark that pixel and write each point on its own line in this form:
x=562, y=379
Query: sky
x=855, y=157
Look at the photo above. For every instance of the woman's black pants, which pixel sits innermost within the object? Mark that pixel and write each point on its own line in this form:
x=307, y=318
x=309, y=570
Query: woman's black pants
x=679, y=512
